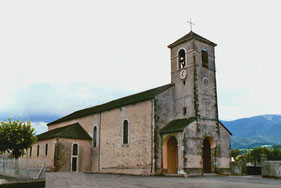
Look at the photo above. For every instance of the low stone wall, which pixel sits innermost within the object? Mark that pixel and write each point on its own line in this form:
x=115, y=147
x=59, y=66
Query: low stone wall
x=271, y=169
x=236, y=168
x=32, y=183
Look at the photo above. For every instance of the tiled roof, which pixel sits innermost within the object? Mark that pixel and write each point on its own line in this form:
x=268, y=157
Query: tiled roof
x=176, y=125
x=189, y=36
x=115, y=103
x=74, y=131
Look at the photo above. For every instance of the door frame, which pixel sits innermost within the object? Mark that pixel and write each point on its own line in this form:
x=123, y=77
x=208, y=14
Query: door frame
x=166, y=155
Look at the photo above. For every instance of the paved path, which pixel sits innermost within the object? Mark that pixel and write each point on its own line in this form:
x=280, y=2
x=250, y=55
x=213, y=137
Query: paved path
x=82, y=180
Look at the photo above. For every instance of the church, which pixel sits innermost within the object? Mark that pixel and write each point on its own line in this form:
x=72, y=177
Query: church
x=169, y=130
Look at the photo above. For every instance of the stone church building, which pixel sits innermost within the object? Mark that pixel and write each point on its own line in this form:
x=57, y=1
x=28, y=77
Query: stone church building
x=172, y=129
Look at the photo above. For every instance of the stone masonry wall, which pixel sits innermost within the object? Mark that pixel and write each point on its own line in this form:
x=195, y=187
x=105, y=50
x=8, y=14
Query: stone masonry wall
x=86, y=122
x=49, y=159
x=64, y=154
x=131, y=158
x=271, y=169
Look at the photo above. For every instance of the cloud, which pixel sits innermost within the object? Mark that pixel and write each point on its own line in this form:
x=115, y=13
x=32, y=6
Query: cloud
x=40, y=127
x=67, y=57
x=47, y=102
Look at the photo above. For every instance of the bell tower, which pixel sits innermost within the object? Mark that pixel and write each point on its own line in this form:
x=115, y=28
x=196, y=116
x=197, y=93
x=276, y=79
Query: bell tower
x=193, y=73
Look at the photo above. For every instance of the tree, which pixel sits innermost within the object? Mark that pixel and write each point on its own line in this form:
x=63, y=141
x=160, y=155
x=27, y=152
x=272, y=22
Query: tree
x=235, y=153
x=275, y=154
x=16, y=136
x=255, y=155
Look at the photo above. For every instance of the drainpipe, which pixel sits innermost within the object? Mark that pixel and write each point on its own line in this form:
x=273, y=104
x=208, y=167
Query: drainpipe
x=99, y=144
x=56, y=154
x=152, y=135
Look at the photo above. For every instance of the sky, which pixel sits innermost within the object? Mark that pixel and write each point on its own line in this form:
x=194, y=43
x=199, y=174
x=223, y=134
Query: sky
x=59, y=56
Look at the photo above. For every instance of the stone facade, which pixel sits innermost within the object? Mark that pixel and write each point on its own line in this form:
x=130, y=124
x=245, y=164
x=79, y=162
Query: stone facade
x=200, y=145
x=134, y=157
x=62, y=162
x=197, y=94
x=271, y=169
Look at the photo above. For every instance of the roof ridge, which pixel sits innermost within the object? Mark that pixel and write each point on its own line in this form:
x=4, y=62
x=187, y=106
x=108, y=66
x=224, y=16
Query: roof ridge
x=137, y=97
x=177, y=125
x=74, y=130
x=123, y=97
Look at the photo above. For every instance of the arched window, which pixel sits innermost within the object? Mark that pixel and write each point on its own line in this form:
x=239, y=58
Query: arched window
x=30, y=152
x=205, y=58
x=38, y=150
x=181, y=59
x=46, y=150
x=95, y=136
x=75, y=149
x=74, y=157
x=125, y=132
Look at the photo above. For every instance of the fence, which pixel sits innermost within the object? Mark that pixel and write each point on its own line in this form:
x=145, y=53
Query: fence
x=21, y=170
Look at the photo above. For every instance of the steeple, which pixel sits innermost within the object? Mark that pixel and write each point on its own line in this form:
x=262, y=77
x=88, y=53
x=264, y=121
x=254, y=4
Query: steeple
x=193, y=73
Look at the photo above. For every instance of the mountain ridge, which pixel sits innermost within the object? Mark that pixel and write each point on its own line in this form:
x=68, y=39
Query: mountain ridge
x=255, y=131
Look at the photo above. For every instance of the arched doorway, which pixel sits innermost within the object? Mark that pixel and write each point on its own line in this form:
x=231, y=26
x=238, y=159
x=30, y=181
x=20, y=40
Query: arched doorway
x=207, y=156
x=172, y=155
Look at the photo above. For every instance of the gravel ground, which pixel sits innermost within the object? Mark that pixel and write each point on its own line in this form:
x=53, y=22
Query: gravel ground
x=73, y=180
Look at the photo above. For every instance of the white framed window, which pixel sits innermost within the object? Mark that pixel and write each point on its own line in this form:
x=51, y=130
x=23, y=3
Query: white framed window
x=74, y=157
x=181, y=58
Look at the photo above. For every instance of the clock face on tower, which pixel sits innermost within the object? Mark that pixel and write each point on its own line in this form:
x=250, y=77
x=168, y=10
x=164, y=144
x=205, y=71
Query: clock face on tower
x=183, y=74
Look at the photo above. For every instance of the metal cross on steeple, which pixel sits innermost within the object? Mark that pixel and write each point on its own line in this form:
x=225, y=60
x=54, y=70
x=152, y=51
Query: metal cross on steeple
x=190, y=24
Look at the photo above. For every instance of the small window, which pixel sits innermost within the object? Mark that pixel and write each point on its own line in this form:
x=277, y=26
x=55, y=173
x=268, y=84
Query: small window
x=38, y=150
x=30, y=152
x=75, y=149
x=95, y=136
x=46, y=150
x=184, y=110
x=181, y=59
x=205, y=58
x=125, y=132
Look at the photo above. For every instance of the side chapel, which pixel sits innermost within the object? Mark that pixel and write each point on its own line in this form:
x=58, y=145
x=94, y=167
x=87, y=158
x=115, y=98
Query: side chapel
x=171, y=129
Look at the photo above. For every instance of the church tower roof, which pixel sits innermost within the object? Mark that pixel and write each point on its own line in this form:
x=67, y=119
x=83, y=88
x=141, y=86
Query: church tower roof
x=191, y=35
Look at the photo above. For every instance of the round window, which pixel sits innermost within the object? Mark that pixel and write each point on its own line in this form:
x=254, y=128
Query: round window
x=206, y=81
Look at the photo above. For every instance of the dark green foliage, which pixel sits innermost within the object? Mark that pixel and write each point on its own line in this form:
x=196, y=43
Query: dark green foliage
x=60, y=156
x=276, y=146
x=274, y=155
x=16, y=136
x=235, y=153
x=74, y=131
x=177, y=125
x=255, y=155
x=132, y=99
